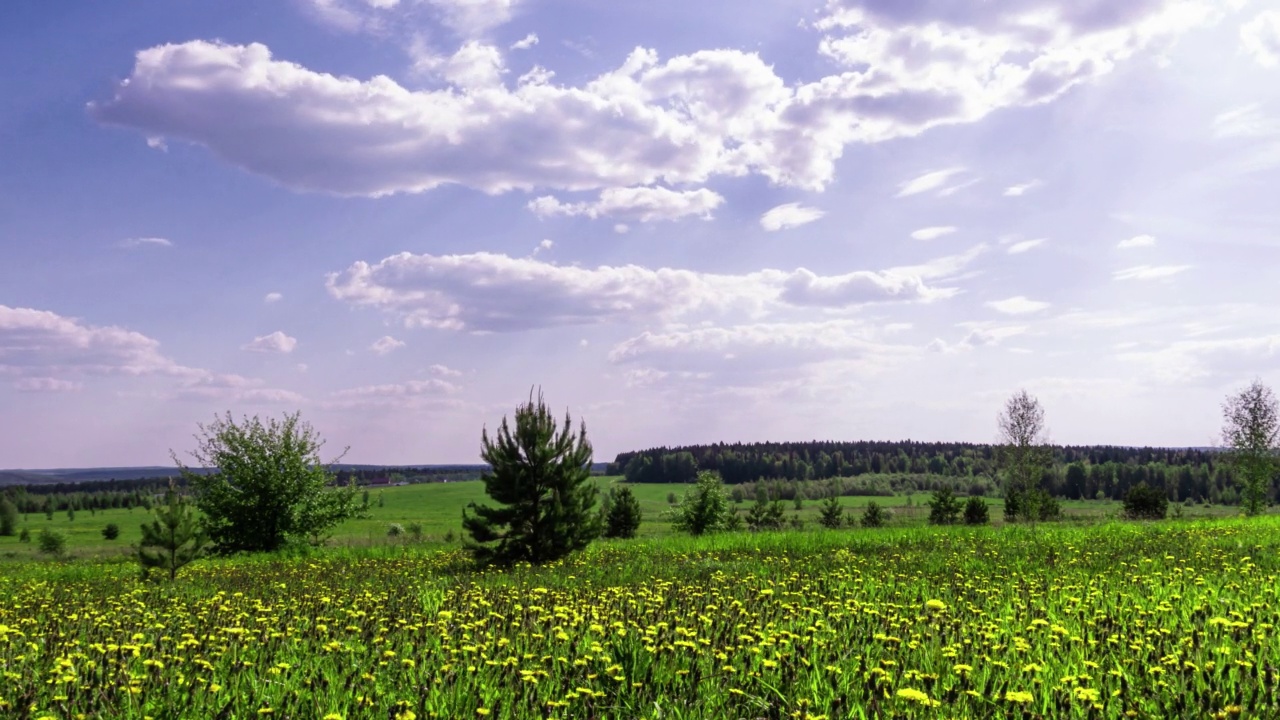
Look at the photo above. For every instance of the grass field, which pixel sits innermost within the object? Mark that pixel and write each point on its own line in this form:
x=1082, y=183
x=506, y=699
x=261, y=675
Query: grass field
x=1110, y=620
x=438, y=508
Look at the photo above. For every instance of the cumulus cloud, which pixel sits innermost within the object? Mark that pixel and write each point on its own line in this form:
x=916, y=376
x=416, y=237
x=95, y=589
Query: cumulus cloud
x=489, y=292
x=1137, y=241
x=904, y=69
x=272, y=297
x=526, y=42
x=1261, y=38
x=1017, y=305
x=933, y=233
x=145, y=242
x=643, y=204
x=1020, y=247
x=1149, y=272
x=789, y=215
x=386, y=344
x=276, y=342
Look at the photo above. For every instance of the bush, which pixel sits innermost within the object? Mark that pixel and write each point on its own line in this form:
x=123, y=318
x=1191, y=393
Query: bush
x=395, y=530
x=874, y=516
x=1034, y=505
x=672, y=499
x=944, y=507
x=1145, y=503
x=111, y=531
x=52, y=542
x=8, y=516
x=976, y=512
x=24, y=536
x=415, y=531
x=705, y=508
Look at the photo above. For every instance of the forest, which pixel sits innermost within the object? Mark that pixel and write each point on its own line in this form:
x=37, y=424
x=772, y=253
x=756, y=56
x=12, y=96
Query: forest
x=1077, y=472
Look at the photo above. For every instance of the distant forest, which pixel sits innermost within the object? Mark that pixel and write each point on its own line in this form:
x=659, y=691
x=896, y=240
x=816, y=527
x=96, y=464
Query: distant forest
x=1078, y=472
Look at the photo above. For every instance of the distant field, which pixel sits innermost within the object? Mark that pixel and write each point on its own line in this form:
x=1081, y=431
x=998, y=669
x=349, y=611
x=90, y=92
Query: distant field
x=438, y=508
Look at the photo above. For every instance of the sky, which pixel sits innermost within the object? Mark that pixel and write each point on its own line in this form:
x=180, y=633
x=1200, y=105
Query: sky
x=683, y=222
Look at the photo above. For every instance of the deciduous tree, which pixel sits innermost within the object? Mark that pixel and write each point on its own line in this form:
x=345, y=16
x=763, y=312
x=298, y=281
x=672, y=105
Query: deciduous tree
x=1251, y=432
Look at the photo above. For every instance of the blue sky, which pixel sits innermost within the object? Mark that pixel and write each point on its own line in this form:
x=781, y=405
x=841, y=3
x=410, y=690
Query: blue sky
x=687, y=222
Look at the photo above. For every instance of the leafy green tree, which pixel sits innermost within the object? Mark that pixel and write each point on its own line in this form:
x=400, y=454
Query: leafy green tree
x=874, y=516
x=976, y=512
x=944, y=507
x=52, y=542
x=111, y=531
x=832, y=513
x=1251, y=432
x=269, y=486
x=1143, y=502
x=8, y=516
x=541, y=477
x=1024, y=453
x=173, y=539
x=623, y=518
x=705, y=508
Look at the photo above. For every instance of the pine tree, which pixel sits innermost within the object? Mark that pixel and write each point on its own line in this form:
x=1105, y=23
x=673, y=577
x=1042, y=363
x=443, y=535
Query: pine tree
x=705, y=508
x=173, y=539
x=832, y=513
x=541, y=477
x=944, y=507
x=623, y=518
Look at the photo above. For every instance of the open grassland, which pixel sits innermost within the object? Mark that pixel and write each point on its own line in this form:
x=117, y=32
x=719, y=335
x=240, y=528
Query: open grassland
x=1167, y=620
x=437, y=507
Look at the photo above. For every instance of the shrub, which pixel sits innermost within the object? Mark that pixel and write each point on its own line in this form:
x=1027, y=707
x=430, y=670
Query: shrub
x=944, y=507
x=415, y=531
x=672, y=499
x=8, y=516
x=24, y=536
x=874, y=516
x=52, y=542
x=705, y=508
x=1145, y=503
x=111, y=531
x=395, y=530
x=976, y=512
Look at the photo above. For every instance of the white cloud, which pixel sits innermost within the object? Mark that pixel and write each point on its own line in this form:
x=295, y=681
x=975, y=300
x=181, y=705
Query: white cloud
x=1261, y=38
x=789, y=215
x=272, y=297
x=1247, y=121
x=525, y=43
x=491, y=292
x=466, y=18
x=146, y=241
x=543, y=247
x=276, y=342
x=410, y=387
x=644, y=204
x=444, y=371
x=1022, y=188
x=1021, y=247
x=46, y=385
x=1017, y=305
x=1227, y=359
x=1149, y=272
x=386, y=344
x=622, y=228
x=933, y=233
x=1137, y=241
x=930, y=181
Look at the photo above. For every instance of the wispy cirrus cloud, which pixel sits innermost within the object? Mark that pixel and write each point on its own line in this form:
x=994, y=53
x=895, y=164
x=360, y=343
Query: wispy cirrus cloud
x=138, y=242
x=933, y=233
x=642, y=204
x=1018, y=305
x=1150, y=272
x=1137, y=241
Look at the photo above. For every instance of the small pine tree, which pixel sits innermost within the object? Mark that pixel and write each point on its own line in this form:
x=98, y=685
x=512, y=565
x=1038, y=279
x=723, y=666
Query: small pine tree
x=172, y=540
x=705, y=508
x=111, y=531
x=733, y=521
x=976, y=512
x=8, y=516
x=623, y=518
x=944, y=508
x=874, y=516
x=796, y=522
x=24, y=536
x=832, y=513
x=541, y=478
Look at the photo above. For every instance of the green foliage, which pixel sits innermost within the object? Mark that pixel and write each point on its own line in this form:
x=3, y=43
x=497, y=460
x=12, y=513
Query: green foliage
x=874, y=516
x=672, y=498
x=976, y=512
x=737, y=495
x=270, y=486
x=944, y=507
x=1023, y=455
x=623, y=518
x=173, y=539
x=832, y=516
x=111, y=531
x=766, y=515
x=1145, y=503
x=24, y=536
x=71, y=514
x=541, y=476
x=733, y=521
x=1036, y=505
x=52, y=542
x=415, y=531
x=8, y=517
x=1251, y=432
x=395, y=530
x=705, y=508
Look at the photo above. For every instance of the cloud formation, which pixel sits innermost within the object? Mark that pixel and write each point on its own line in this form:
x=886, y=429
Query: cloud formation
x=1149, y=272
x=1023, y=246
x=276, y=342
x=933, y=233
x=642, y=204
x=1017, y=305
x=1138, y=241
x=789, y=215
x=1261, y=38
x=386, y=344
x=146, y=241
